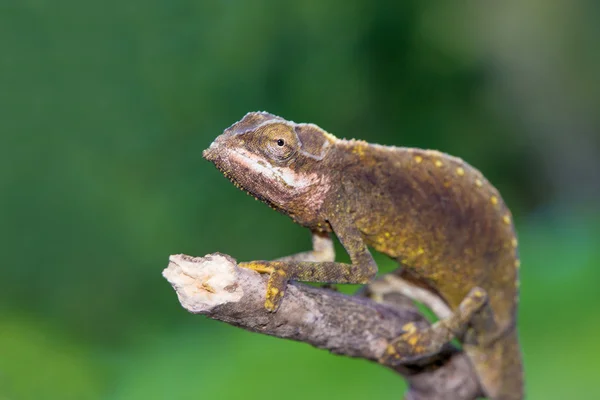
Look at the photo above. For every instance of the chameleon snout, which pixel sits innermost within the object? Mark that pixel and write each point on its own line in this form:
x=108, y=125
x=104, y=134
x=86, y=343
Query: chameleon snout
x=210, y=154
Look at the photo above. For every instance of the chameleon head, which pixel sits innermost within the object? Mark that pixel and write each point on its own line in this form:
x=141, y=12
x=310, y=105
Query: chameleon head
x=276, y=161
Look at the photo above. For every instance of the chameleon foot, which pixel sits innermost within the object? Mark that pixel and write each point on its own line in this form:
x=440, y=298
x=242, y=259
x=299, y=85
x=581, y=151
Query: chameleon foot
x=275, y=285
x=416, y=343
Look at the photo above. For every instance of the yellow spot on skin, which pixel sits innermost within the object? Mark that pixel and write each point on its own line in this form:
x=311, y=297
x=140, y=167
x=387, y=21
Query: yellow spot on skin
x=460, y=171
x=409, y=328
x=438, y=163
x=514, y=242
x=418, y=159
x=269, y=305
x=506, y=219
x=281, y=272
x=359, y=149
x=518, y=264
x=478, y=183
x=274, y=291
x=387, y=235
x=494, y=200
x=420, y=251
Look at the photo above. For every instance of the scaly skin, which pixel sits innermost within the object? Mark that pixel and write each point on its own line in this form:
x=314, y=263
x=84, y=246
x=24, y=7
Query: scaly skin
x=444, y=223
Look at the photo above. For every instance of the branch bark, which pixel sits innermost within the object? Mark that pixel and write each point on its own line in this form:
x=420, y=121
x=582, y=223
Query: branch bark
x=354, y=326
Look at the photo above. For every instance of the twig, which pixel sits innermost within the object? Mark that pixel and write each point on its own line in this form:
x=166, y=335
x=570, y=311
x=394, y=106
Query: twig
x=354, y=326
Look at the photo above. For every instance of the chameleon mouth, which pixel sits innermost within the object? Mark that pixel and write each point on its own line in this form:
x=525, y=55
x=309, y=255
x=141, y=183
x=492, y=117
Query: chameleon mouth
x=215, y=160
x=224, y=164
x=208, y=155
x=211, y=154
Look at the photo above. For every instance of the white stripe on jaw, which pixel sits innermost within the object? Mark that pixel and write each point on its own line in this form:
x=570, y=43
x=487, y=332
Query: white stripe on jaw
x=257, y=164
x=284, y=178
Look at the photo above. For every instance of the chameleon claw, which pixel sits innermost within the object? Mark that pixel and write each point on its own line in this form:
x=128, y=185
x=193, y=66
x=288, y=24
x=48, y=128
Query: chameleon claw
x=259, y=266
x=276, y=284
x=275, y=289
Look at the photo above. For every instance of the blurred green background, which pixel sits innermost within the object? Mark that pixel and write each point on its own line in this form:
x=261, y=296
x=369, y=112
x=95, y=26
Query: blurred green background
x=105, y=108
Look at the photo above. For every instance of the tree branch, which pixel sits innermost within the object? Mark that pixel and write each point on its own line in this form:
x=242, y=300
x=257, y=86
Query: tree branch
x=354, y=326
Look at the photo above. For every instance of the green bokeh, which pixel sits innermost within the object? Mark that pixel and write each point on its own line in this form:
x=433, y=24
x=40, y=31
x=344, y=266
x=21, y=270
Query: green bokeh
x=105, y=108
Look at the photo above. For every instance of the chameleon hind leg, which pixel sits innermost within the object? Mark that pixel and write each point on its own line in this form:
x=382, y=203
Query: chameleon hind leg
x=416, y=343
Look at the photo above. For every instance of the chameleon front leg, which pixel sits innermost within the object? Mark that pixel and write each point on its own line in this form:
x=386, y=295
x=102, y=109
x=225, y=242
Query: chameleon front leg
x=417, y=343
x=361, y=269
x=323, y=250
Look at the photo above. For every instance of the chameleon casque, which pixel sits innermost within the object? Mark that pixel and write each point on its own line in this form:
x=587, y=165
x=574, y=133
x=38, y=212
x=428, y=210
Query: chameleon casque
x=444, y=223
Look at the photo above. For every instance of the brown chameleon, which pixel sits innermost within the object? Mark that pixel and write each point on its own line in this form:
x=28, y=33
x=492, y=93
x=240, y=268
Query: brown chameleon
x=444, y=223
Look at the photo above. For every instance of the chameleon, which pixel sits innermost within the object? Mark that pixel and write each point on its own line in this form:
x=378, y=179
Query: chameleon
x=437, y=216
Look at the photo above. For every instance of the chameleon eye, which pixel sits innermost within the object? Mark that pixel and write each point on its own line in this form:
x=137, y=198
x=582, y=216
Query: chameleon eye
x=278, y=141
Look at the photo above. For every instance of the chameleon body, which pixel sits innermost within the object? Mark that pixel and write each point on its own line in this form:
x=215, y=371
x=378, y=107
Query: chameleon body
x=444, y=223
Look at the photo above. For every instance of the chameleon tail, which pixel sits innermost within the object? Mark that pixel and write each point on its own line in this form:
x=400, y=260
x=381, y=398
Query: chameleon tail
x=499, y=367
